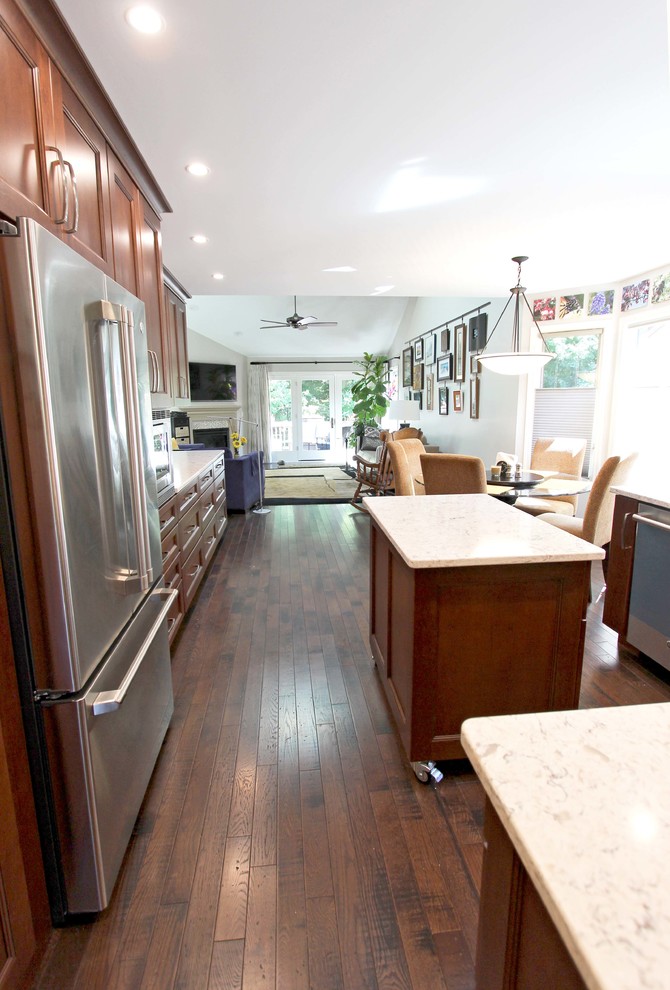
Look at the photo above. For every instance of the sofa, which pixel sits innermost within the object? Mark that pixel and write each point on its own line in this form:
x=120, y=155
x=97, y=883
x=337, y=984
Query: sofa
x=245, y=482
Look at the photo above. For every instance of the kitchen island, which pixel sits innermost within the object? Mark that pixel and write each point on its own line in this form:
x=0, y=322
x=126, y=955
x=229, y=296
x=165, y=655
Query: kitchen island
x=576, y=878
x=475, y=609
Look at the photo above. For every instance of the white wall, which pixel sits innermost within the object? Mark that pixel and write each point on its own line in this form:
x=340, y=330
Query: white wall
x=499, y=394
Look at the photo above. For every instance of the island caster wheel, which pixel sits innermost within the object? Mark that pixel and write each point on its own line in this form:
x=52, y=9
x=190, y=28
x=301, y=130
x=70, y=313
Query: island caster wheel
x=424, y=770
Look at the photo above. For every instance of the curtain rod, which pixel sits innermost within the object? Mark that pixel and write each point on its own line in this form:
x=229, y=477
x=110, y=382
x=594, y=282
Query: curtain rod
x=334, y=361
x=476, y=309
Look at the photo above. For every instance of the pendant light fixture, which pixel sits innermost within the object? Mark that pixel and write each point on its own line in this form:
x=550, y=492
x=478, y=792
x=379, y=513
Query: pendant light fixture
x=516, y=362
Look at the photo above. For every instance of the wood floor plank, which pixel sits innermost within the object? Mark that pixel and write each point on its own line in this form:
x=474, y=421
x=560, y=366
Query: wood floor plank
x=318, y=876
x=231, y=919
x=325, y=969
x=163, y=954
x=264, y=834
x=259, y=970
x=226, y=969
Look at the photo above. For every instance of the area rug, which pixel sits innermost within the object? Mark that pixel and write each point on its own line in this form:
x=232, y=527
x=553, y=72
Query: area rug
x=305, y=485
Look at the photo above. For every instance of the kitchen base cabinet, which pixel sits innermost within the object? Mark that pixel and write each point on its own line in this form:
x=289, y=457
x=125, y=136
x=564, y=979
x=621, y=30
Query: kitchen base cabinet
x=620, y=566
x=518, y=944
x=452, y=643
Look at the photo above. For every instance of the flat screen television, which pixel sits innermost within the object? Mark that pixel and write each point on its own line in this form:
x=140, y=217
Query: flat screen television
x=212, y=382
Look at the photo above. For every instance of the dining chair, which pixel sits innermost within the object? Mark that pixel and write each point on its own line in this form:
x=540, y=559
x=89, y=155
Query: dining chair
x=560, y=455
x=406, y=465
x=373, y=473
x=453, y=474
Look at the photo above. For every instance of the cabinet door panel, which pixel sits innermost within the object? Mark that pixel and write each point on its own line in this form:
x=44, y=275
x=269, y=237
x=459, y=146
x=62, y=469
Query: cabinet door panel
x=84, y=147
x=24, y=113
x=176, y=320
x=124, y=201
x=152, y=294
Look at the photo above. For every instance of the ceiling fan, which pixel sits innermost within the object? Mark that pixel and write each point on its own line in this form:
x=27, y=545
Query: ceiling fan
x=295, y=322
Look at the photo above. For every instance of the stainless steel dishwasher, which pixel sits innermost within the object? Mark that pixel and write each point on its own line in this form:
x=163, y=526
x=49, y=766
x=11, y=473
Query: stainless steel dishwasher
x=649, y=614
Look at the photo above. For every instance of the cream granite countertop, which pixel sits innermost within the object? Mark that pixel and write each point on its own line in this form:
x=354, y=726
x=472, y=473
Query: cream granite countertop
x=585, y=799
x=468, y=530
x=187, y=465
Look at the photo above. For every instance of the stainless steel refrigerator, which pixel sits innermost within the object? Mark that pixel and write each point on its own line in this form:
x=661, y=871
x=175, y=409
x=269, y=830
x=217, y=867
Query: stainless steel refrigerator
x=91, y=645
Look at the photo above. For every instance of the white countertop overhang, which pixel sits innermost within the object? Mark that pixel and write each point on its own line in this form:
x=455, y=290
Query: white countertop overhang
x=187, y=465
x=585, y=799
x=471, y=530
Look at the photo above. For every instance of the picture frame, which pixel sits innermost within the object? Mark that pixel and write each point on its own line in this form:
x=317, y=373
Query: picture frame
x=475, y=366
x=459, y=352
x=443, y=400
x=430, y=385
x=445, y=340
x=418, y=397
x=474, y=398
x=477, y=328
x=418, y=350
x=417, y=376
x=445, y=368
x=407, y=364
x=457, y=397
x=430, y=350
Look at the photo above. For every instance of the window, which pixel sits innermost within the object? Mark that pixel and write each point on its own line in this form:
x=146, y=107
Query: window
x=565, y=404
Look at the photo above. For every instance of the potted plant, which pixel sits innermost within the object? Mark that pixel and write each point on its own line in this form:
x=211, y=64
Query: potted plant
x=369, y=394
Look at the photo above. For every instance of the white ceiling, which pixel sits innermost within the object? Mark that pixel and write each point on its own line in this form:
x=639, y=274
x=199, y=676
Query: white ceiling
x=423, y=143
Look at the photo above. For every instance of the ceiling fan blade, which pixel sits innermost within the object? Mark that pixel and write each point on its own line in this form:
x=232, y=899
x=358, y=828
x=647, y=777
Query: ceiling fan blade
x=306, y=319
x=319, y=324
x=273, y=326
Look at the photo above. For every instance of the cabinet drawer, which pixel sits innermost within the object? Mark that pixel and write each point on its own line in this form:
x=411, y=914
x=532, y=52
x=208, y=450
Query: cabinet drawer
x=219, y=465
x=172, y=573
x=209, y=541
x=167, y=516
x=186, y=498
x=219, y=489
x=190, y=531
x=176, y=613
x=170, y=549
x=221, y=519
x=193, y=572
x=206, y=478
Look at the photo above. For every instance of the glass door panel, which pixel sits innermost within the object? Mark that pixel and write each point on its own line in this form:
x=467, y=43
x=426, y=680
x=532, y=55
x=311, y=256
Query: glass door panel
x=317, y=418
x=281, y=418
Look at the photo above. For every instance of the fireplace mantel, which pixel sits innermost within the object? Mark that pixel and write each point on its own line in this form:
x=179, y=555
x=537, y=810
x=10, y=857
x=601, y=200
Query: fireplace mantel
x=213, y=410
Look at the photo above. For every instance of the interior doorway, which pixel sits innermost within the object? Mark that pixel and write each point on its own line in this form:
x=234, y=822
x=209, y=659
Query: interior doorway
x=311, y=416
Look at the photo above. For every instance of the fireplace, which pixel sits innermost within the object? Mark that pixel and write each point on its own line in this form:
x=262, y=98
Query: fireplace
x=214, y=437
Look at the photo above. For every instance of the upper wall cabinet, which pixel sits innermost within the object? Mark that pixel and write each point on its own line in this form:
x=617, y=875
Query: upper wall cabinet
x=152, y=293
x=28, y=162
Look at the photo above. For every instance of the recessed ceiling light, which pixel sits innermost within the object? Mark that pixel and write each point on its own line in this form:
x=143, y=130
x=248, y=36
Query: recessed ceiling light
x=145, y=19
x=218, y=275
x=199, y=239
x=343, y=268
x=197, y=168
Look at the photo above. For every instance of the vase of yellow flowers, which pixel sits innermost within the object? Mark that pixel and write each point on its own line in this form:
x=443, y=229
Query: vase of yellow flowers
x=238, y=441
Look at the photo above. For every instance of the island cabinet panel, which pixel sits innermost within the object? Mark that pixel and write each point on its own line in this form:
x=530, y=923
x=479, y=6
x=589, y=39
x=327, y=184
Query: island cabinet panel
x=620, y=565
x=456, y=642
x=518, y=944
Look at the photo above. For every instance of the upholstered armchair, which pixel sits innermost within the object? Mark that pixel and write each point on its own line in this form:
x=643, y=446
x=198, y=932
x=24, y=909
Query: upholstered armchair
x=245, y=480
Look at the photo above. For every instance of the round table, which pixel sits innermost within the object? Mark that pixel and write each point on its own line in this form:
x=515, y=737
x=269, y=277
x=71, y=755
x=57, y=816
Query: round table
x=546, y=487
x=527, y=479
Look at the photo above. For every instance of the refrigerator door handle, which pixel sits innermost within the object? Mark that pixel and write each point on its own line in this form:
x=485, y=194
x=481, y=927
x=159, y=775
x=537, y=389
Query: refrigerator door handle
x=132, y=579
x=109, y=701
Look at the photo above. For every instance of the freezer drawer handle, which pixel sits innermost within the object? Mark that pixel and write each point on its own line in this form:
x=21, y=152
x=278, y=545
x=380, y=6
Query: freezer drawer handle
x=651, y=522
x=109, y=701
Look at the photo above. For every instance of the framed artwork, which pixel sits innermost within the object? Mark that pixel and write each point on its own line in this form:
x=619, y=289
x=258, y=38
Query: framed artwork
x=474, y=398
x=661, y=289
x=571, y=307
x=443, y=400
x=445, y=340
x=417, y=376
x=418, y=397
x=445, y=368
x=477, y=327
x=475, y=366
x=544, y=309
x=430, y=384
x=459, y=353
x=458, y=400
x=407, y=367
x=430, y=348
x=601, y=303
x=635, y=295
x=418, y=349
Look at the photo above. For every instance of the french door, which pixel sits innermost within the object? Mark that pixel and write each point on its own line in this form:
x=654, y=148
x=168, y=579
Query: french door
x=310, y=416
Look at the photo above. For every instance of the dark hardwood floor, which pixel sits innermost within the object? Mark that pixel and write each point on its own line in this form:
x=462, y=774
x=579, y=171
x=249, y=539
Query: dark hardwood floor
x=284, y=841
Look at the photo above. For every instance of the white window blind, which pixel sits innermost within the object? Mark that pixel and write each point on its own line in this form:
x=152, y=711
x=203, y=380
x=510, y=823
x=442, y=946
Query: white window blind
x=565, y=412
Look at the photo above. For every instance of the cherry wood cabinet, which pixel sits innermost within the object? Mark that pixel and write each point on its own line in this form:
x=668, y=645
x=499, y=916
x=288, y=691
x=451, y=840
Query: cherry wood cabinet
x=518, y=944
x=452, y=643
x=620, y=566
x=125, y=214
x=175, y=309
x=152, y=294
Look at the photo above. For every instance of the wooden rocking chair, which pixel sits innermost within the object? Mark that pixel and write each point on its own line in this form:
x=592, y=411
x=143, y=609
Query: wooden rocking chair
x=373, y=477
